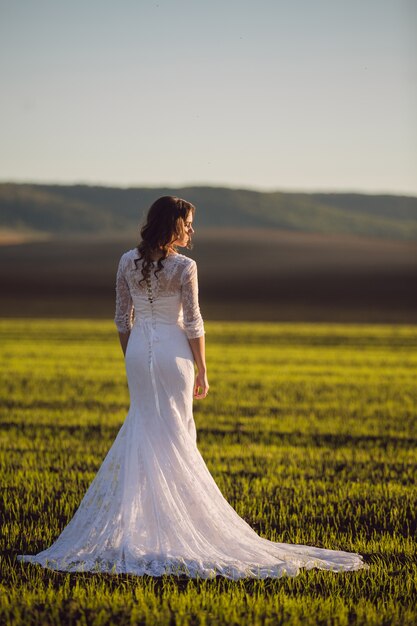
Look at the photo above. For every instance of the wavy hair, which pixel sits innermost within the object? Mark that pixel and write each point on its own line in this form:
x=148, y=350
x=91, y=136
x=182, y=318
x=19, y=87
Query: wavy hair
x=164, y=224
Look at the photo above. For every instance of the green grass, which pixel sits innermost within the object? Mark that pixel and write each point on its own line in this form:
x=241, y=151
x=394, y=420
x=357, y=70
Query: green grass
x=309, y=430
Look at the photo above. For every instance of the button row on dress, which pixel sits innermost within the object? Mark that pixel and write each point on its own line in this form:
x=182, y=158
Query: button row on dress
x=151, y=300
x=149, y=287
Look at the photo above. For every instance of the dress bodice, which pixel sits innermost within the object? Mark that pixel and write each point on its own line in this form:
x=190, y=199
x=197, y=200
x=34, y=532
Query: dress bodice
x=168, y=296
x=166, y=310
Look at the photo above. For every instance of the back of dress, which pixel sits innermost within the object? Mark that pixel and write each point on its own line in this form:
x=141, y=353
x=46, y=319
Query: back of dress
x=153, y=507
x=168, y=296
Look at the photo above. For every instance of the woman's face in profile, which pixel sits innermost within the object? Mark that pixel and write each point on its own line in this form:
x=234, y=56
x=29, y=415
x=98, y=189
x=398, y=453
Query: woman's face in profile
x=188, y=232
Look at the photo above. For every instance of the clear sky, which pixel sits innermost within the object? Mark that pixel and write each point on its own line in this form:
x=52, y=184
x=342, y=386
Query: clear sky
x=263, y=94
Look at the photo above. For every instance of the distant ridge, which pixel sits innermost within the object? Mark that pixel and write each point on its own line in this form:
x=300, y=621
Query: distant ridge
x=68, y=210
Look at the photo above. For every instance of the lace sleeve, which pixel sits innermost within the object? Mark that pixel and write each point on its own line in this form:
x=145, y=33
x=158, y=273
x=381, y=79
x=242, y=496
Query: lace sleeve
x=124, y=305
x=193, y=321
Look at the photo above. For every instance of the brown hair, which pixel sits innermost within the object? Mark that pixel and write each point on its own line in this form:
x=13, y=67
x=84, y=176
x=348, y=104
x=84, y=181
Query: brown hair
x=164, y=223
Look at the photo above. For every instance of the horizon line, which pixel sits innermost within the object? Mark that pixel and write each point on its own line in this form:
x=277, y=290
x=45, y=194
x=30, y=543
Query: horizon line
x=206, y=185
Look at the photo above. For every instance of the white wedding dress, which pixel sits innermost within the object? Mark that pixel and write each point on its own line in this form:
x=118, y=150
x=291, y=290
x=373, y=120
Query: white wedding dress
x=153, y=507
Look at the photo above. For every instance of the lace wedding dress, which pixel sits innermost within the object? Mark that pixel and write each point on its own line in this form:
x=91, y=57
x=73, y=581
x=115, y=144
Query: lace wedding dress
x=153, y=507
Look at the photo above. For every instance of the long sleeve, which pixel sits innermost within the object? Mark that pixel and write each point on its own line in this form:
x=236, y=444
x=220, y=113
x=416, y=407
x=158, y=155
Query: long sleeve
x=124, y=304
x=193, y=321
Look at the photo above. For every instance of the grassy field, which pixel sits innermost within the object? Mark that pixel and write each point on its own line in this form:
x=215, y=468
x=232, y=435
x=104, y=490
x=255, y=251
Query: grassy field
x=309, y=430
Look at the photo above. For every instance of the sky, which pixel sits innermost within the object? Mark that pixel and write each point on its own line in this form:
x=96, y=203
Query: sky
x=307, y=95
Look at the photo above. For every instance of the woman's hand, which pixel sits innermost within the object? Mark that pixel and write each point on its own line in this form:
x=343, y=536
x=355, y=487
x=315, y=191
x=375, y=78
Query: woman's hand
x=201, y=385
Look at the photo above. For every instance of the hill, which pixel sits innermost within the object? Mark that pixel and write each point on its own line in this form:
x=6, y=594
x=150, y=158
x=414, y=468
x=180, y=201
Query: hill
x=34, y=211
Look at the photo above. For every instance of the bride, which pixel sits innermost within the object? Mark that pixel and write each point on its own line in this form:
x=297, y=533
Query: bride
x=153, y=507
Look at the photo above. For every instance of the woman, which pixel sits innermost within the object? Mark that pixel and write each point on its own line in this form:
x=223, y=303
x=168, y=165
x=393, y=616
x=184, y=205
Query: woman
x=153, y=507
